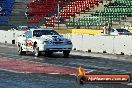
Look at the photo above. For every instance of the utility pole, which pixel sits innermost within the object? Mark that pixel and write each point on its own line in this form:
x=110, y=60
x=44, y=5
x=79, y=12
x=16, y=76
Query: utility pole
x=58, y=17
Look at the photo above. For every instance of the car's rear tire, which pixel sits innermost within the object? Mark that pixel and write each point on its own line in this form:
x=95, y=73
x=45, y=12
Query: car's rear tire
x=37, y=52
x=20, y=52
x=66, y=54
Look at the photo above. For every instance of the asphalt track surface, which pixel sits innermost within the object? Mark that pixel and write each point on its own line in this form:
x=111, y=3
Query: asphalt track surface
x=93, y=63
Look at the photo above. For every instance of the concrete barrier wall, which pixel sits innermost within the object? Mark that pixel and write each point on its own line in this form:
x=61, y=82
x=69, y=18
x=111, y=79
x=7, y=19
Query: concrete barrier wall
x=123, y=44
x=102, y=43
x=95, y=43
x=9, y=36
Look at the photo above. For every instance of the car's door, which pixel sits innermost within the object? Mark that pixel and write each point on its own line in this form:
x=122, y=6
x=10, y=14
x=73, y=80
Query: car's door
x=29, y=42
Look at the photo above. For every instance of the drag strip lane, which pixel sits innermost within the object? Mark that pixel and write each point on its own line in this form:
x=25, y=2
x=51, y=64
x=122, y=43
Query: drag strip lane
x=24, y=66
x=94, y=64
x=88, y=62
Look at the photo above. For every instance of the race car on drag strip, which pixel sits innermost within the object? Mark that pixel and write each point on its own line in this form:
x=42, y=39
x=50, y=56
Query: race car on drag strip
x=43, y=40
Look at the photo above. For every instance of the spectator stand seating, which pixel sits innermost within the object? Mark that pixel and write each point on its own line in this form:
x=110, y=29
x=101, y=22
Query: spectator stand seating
x=40, y=9
x=116, y=11
x=49, y=9
x=6, y=8
x=70, y=10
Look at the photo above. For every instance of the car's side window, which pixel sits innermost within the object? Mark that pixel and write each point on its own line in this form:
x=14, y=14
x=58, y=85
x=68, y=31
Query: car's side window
x=28, y=34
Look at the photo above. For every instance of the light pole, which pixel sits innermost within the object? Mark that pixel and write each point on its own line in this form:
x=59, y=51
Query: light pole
x=58, y=17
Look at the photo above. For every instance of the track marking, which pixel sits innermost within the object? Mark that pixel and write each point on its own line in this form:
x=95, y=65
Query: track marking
x=25, y=66
x=99, y=67
x=130, y=84
x=17, y=56
x=6, y=46
x=13, y=71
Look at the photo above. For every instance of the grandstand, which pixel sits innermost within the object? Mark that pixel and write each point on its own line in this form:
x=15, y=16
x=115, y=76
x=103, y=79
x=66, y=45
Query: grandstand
x=65, y=13
x=12, y=13
x=6, y=8
x=117, y=11
x=57, y=12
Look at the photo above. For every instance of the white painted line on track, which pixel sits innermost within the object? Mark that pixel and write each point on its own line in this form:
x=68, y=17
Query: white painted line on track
x=32, y=72
x=62, y=74
x=9, y=54
x=87, y=70
x=54, y=73
x=13, y=71
x=130, y=84
x=8, y=46
x=99, y=67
